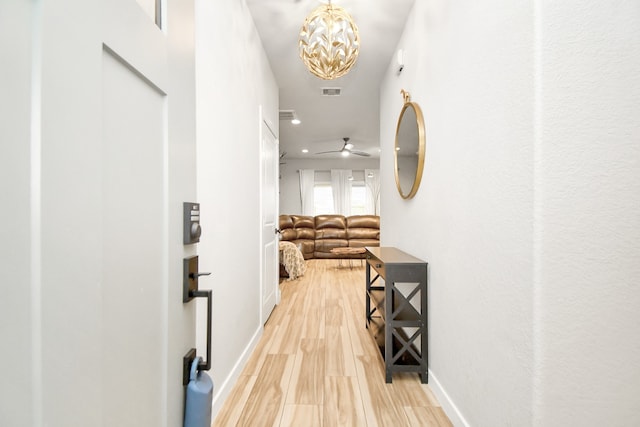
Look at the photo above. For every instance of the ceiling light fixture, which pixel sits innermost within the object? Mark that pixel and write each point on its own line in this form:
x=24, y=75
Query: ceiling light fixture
x=329, y=42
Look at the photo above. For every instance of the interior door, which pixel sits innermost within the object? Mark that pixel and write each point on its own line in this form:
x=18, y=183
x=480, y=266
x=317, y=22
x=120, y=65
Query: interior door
x=269, y=220
x=148, y=152
x=100, y=156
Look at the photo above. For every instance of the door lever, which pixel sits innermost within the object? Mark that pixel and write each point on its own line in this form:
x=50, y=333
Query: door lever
x=192, y=275
x=190, y=278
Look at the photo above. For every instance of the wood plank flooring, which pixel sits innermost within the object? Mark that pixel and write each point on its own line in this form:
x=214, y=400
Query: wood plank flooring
x=317, y=365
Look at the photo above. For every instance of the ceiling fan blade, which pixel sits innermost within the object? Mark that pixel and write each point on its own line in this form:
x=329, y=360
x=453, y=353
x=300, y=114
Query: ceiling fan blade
x=360, y=153
x=327, y=152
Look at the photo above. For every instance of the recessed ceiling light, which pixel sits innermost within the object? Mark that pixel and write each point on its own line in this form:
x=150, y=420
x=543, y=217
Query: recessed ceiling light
x=304, y=150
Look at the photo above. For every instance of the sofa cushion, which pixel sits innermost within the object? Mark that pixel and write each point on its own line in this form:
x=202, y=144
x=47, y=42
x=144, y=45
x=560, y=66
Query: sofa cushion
x=363, y=221
x=285, y=222
x=327, y=244
x=363, y=233
x=323, y=247
x=305, y=233
x=287, y=234
x=330, y=221
x=301, y=221
x=306, y=247
x=361, y=243
x=331, y=233
x=330, y=227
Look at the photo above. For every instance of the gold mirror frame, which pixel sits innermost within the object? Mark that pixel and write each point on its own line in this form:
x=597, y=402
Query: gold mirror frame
x=420, y=142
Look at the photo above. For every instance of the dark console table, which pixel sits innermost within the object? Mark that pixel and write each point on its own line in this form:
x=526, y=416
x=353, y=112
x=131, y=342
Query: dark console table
x=396, y=303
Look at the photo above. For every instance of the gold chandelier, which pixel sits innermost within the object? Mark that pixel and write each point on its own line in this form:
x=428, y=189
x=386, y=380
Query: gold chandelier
x=329, y=42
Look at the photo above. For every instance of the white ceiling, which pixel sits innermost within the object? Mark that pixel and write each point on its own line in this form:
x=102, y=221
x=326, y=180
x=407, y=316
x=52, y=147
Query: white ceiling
x=326, y=120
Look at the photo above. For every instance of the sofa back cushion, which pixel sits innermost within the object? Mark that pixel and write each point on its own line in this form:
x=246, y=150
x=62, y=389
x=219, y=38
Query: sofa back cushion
x=305, y=233
x=331, y=227
x=303, y=227
x=363, y=221
x=365, y=227
x=285, y=221
x=285, y=224
x=302, y=221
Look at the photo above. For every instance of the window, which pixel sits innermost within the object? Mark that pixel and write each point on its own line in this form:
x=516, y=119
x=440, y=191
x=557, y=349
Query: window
x=322, y=199
x=323, y=194
x=358, y=203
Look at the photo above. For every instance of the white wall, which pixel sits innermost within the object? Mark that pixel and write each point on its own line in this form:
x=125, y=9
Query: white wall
x=587, y=222
x=528, y=212
x=290, y=182
x=16, y=295
x=233, y=80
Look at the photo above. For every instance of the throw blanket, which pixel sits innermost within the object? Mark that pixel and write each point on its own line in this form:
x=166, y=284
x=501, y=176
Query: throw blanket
x=292, y=259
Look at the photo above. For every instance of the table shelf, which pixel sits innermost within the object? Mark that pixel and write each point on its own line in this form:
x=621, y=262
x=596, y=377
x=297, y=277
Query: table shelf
x=396, y=309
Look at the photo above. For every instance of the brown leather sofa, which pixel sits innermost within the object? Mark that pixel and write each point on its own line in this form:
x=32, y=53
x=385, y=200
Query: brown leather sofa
x=316, y=236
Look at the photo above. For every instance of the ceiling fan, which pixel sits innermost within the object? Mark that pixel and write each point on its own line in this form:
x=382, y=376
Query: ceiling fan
x=347, y=149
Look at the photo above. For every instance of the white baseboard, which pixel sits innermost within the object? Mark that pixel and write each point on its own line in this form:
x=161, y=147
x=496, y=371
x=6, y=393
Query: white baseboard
x=447, y=404
x=224, y=390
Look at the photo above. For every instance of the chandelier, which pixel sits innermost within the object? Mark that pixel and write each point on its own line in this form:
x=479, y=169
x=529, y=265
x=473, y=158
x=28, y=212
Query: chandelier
x=329, y=42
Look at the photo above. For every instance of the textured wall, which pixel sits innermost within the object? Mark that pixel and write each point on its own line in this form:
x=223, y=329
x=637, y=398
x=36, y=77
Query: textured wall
x=529, y=210
x=469, y=67
x=588, y=213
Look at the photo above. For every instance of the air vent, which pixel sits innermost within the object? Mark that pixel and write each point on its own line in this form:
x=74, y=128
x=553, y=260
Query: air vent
x=331, y=91
x=287, y=115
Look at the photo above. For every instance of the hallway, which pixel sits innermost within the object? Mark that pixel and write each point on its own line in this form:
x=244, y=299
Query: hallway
x=316, y=364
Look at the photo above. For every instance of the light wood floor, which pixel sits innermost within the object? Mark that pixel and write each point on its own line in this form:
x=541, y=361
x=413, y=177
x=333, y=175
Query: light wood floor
x=317, y=365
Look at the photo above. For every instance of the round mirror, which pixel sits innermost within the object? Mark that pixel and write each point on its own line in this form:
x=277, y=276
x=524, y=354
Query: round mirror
x=410, y=147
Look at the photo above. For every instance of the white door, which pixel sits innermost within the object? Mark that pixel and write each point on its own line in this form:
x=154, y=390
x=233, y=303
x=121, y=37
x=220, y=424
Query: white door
x=269, y=220
x=133, y=183
x=102, y=158
x=148, y=153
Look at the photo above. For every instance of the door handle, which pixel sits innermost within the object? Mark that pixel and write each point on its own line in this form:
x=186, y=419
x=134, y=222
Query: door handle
x=208, y=294
x=190, y=291
x=190, y=356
